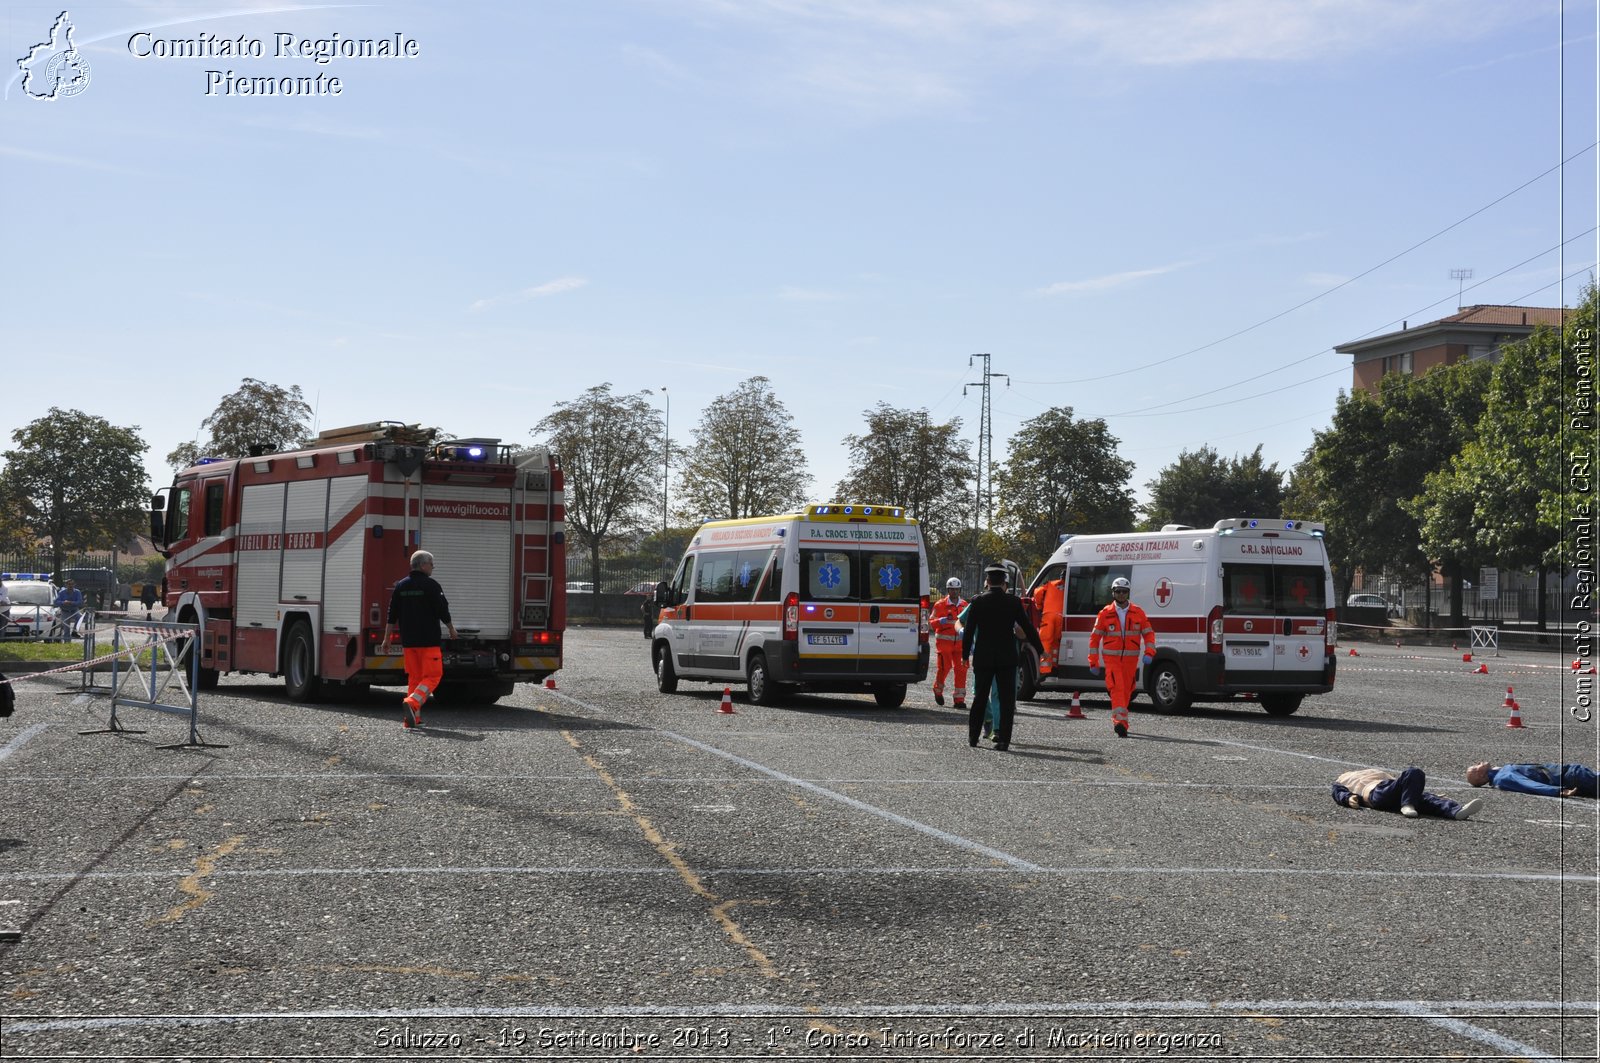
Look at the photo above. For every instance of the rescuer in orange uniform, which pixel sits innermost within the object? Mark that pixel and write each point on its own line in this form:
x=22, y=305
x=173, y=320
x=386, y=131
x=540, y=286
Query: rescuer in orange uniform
x=947, y=639
x=418, y=606
x=1048, y=599
x=1115, y=649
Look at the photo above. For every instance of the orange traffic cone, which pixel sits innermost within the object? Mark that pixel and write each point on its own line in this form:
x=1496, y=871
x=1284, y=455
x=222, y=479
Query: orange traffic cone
x=1516, y=710
x=1576, y=664
x=550, y=683
x=1466, y=657
x=727, y=702
x=1353, y=652
x=1076, y=711
x=1482, y=669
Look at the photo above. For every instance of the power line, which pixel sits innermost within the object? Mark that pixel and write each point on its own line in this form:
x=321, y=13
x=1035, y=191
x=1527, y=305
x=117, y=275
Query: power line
x=1321, y=376
x=1321, y=295
x=1372, y=332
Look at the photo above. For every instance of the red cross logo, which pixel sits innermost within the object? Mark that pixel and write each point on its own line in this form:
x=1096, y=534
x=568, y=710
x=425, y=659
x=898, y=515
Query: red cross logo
x=1304, y=653
x=1300, y=590
x=1163, y=591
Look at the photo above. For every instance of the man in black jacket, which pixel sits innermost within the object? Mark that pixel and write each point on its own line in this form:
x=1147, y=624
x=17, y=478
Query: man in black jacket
x=995, y=621
x=418, y=606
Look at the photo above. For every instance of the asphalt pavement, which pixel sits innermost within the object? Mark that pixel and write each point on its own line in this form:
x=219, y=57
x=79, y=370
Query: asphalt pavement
x=603, y=871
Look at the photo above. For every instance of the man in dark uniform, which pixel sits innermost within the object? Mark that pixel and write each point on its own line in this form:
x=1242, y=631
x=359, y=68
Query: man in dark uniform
x=418, y=606
x=995, y=621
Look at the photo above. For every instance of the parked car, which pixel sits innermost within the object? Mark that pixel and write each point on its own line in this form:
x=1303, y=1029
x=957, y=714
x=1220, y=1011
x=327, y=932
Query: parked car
x=578, y=587
x=1373, y=601
x=32, y=613
x=646, y=589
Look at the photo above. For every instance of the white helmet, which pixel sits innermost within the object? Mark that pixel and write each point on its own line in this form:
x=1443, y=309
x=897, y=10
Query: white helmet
x=952, y=584
x=1121, y=584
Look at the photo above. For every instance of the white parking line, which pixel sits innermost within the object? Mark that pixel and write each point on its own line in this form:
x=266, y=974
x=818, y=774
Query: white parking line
x=860, y=806
x=21, y=740
x=1019, y=868
x=833, y=795
x=1434, y=1012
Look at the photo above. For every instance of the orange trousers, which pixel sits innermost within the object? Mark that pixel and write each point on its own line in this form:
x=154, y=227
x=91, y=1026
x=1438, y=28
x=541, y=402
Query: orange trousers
x=1121, y=674
x=424, y=669
x=950, y=660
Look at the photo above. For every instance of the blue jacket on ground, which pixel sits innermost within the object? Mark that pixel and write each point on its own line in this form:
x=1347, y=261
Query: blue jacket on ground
x=1546, y=780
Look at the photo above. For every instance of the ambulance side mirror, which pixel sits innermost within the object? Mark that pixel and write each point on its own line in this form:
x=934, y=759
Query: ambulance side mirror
x=664, y=593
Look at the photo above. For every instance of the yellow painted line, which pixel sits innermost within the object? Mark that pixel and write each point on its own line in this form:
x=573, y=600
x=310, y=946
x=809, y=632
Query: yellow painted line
x=719, y=908
x=193, y=884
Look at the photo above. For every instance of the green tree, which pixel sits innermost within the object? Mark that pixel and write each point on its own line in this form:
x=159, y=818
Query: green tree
x=746, y=459
x=1061, y=476
x=905, y=459
x=1499, y=499
x=1428, y=421
x=258, y=415
x=1202, y=487
x=608, y=445
x=79, y=480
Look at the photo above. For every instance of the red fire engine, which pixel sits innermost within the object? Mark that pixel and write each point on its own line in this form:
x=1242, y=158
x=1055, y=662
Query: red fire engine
x=286, y=560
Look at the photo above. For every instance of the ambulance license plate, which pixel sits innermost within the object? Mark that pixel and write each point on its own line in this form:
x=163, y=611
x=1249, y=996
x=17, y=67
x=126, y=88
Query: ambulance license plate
x=1246, y=651
x=828, y=640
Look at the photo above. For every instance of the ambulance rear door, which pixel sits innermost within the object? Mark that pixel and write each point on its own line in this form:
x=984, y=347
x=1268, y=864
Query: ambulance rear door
x=1274, y=607
x=893, y=575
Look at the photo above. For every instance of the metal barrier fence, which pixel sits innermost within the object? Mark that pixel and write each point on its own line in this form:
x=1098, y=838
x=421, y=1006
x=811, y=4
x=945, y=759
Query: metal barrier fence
x=148, y=687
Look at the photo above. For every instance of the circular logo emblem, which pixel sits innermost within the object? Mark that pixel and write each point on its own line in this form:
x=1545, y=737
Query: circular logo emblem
x=67, y=73
x=1163, y=592
x=1249, y=625
x=827, y=614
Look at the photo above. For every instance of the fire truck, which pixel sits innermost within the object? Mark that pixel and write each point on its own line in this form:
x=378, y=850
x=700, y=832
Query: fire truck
x=286, y=560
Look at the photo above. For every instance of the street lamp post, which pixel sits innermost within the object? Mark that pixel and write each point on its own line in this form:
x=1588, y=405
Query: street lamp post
x=666, y=469
x=666, y=474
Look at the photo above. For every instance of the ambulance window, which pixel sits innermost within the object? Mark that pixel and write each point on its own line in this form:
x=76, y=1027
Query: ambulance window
x=1300, y=590
x=892, y=576
x=178, y=515
x=214, y=508
x=827, y=575
x=748, y=567
x=714, y=580
x=680, y=582
x=1049, y=575
x=772, y=585
x=1089, y=587
x=1247, y=589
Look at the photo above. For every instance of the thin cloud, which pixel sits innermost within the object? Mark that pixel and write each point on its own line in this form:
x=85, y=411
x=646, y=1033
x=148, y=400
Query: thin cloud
x=1109, y=280
x=67, y=160
x=539, y=291
x=807, y=295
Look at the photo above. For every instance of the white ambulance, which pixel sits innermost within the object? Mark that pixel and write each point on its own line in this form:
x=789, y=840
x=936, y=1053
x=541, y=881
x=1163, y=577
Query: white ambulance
x=833, y=598
x=1243, y=607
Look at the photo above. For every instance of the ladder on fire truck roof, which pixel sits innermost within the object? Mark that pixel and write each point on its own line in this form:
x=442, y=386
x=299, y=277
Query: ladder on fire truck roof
x=376, y=432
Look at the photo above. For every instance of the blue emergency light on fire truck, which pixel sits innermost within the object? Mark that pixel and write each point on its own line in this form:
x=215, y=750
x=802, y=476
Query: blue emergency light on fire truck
x=287, y=560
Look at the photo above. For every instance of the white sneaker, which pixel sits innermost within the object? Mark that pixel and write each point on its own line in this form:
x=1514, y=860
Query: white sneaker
x=1467, y=810
x=1409, y=811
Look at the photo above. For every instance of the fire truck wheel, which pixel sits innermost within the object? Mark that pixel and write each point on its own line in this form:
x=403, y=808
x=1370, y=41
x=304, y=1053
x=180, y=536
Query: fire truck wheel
x=1281, y=704
x=300, y=664
x=889, y=695
x=1166, y=688
x=666, y=676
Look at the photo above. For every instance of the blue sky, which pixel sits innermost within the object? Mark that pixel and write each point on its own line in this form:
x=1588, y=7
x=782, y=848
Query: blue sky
x=848, y=197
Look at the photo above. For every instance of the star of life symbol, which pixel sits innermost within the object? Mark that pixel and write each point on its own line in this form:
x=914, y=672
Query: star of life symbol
x=1163, y=591
x=829, y=576
x=889, y=576
x=54, y=69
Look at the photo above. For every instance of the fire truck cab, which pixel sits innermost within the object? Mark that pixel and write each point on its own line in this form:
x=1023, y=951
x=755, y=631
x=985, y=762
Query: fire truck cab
x=287, y=560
